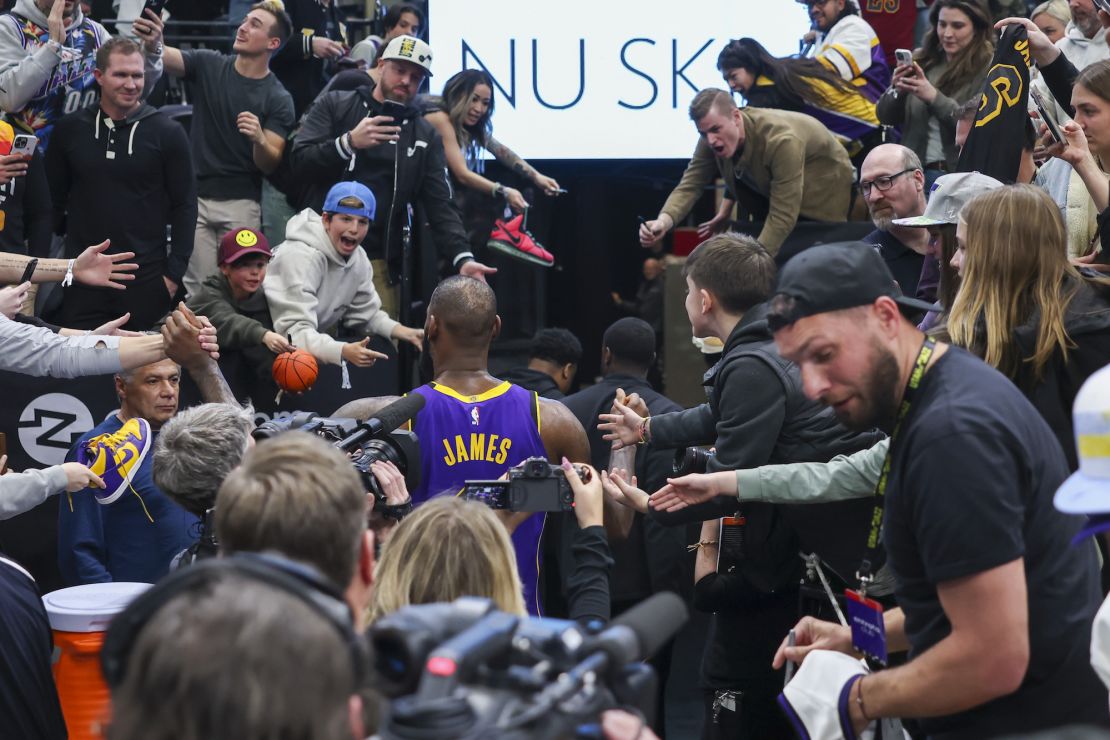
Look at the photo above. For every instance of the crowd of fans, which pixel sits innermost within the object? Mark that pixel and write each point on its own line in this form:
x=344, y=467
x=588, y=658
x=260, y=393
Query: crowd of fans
x=886, y=488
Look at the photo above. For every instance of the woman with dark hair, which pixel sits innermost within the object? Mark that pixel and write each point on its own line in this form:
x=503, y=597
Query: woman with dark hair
x=462, y=117
x=802, y=85
x=949, y=68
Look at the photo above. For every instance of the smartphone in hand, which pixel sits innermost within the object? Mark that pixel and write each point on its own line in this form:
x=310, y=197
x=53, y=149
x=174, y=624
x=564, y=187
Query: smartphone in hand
x=28, y=271
x=1047, y=116
x=25, y=144
x=397, y=111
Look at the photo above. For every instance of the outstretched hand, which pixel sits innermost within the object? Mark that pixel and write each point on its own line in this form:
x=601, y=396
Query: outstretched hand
x=477, y=270
x=693, y=489
x=93, y=267
x=79, y=477
x=622, y=426
x=621, y=488
x=112, y=328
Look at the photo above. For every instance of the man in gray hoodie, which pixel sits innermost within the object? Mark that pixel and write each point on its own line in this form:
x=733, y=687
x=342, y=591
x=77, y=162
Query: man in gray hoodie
x=1084, y=42
x=47, y=56
x=320, y=279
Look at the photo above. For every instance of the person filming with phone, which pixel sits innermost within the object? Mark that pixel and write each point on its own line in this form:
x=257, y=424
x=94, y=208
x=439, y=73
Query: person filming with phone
x=929, y=87
x=372, y=135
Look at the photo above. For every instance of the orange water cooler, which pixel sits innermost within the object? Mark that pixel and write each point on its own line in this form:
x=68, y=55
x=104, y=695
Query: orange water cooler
x=79, y=617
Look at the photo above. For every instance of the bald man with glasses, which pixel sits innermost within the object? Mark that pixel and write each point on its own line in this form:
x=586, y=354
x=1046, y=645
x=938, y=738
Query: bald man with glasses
x=892, y=183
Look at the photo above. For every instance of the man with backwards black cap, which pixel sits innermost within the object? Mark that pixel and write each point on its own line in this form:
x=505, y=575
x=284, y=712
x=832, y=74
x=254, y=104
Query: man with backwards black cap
x=995, y=604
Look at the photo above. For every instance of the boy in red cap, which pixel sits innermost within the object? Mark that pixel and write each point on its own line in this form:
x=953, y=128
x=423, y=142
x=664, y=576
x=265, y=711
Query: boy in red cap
x=234, y=301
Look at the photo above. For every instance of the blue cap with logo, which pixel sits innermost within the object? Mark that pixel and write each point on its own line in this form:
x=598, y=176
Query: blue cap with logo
x=342, y=191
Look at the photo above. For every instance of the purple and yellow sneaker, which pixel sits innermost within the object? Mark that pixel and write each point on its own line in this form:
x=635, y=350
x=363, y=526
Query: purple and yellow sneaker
x=116, y=457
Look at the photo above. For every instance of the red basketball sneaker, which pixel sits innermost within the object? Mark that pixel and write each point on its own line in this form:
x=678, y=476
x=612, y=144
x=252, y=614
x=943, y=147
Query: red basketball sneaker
x=511, y=238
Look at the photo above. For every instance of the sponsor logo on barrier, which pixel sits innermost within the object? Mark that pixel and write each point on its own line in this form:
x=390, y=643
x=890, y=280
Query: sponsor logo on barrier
x=51, y=424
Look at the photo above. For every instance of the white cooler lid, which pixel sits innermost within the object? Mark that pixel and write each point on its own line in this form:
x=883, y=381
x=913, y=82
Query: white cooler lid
x=89, y=608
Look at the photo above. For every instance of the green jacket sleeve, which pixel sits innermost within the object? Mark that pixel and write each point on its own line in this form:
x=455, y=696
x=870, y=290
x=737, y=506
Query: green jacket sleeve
x=699, y=173
x=233, y=330
x=842, y=478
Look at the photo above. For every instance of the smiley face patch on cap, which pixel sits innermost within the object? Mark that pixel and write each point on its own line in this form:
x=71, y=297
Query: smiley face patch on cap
x=239, y=243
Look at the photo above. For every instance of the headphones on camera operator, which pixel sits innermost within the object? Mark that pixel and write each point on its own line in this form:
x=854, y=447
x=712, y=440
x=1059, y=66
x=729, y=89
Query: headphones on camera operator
x=289, y=576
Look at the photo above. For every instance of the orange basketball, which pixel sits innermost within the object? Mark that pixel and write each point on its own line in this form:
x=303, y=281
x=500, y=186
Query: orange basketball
x=295, y=371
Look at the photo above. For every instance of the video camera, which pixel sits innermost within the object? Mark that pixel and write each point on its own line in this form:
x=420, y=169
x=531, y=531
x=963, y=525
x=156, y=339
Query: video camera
x=465, y=670
x=533, y=485
x=376, y=439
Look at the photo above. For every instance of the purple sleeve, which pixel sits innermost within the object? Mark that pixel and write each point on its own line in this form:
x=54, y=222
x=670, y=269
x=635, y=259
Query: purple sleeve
x=929, y=281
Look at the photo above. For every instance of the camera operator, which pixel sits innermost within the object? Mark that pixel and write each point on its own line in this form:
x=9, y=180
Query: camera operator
x=450, y=547
x=474, y=426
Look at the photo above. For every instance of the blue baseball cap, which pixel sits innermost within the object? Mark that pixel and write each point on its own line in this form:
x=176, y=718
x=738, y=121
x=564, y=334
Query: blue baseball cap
x=343, y=190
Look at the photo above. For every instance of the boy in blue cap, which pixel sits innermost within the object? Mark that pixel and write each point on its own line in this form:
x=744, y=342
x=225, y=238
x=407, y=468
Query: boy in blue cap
x=320, y=278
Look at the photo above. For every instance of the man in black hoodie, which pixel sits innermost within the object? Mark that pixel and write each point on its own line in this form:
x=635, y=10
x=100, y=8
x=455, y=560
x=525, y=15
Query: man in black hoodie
x=553, y=361
x=122, y=171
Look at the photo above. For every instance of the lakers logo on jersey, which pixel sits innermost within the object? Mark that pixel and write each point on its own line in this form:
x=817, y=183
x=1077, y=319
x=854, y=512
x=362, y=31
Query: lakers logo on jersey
x=479, y=448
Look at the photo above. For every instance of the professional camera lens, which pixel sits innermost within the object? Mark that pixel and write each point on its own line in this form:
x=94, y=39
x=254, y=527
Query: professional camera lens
x=691, y=460
x=381, y=451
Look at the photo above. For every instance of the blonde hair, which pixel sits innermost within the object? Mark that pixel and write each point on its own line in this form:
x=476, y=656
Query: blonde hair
x=1058, y=9
x=1015, y=266
x=445, y=549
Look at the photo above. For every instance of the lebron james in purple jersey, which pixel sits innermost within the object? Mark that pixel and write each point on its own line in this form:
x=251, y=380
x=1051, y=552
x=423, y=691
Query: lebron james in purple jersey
x=474, y=426
x=479, y=437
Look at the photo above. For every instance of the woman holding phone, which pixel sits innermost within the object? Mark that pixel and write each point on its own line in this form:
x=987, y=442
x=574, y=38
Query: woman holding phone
x=1078, y=182
x=948, y=69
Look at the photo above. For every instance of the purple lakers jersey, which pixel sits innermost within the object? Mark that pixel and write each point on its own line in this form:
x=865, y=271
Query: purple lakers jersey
x=478, y=438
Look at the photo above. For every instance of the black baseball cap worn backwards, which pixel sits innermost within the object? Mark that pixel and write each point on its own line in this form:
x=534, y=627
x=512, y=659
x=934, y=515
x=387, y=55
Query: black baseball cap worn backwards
x=833, y=277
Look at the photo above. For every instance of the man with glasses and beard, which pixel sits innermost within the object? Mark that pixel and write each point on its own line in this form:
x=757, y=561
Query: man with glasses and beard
x=892, y=183
x=995, y=603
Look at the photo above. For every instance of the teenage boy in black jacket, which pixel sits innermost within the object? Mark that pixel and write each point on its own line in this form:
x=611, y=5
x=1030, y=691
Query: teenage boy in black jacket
x=122, y=171
x=756, y=414
x=347, y=136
